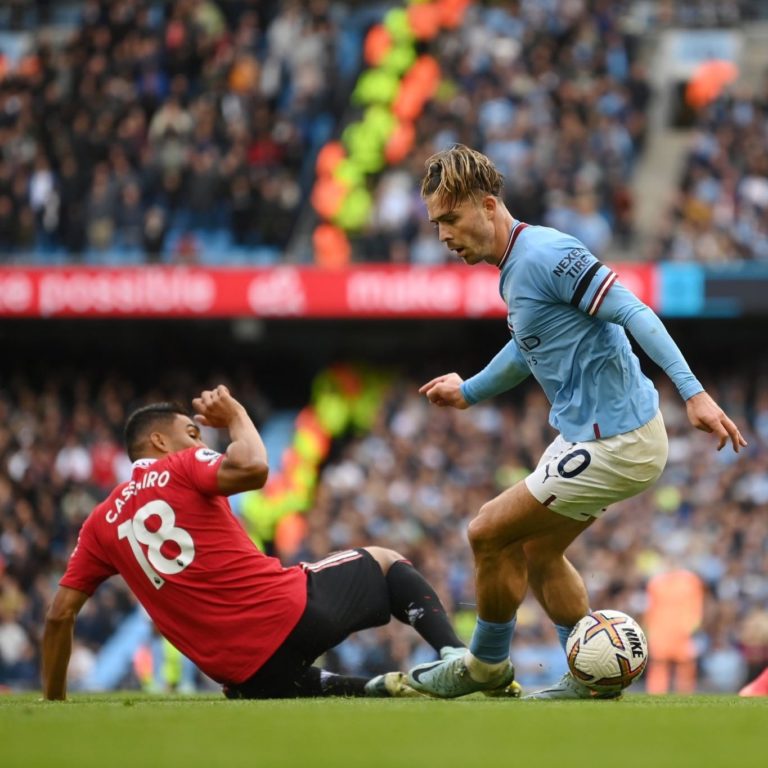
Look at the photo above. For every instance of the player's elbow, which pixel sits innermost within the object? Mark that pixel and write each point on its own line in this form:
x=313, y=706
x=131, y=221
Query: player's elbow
x=242, y=473
x=64, y=607
x=252, y=474
x=59, y=616
x=257, y=473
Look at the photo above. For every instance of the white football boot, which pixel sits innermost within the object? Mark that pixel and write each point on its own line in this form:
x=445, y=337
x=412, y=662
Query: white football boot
x=450, y=678
x=568, y=687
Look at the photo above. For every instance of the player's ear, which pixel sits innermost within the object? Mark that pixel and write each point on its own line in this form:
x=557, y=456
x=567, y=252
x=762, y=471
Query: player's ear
x=160, y=442
x=490, y=203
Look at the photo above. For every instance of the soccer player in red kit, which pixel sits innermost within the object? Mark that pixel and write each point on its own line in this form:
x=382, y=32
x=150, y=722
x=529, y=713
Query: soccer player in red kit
x=240, y=616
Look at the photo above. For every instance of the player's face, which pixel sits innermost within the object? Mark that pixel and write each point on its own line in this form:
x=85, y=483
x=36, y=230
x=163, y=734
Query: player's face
x=466, y=227
x=183, y=433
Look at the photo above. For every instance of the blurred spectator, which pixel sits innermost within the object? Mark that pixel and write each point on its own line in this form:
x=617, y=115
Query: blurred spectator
x=673, y=615
x=147, y=110
x=17, y=658
x=129, y=221
x=154, y=233
x=722, y=665
x=720, y=212
x=754, y=641
x=215, y=110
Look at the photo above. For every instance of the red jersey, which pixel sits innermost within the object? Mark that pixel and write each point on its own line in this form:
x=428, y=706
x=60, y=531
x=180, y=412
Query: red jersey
x=173, y=538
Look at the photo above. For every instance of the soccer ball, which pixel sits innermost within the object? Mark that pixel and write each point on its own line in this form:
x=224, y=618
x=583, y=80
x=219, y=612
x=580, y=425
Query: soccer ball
x=607, y=651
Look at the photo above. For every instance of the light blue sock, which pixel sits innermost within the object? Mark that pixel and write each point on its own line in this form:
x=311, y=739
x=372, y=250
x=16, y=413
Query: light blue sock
x=562, y=633
x=490, y=641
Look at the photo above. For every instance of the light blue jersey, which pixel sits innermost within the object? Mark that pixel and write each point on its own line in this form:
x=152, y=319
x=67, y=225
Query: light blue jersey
x=567, y=313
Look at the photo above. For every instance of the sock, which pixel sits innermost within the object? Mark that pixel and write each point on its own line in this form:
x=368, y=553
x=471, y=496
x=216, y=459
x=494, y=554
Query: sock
x=332, y=684
x=490, y=640
x=482, y=671
x=413, y=601
x=562, y=633
x=287, y=683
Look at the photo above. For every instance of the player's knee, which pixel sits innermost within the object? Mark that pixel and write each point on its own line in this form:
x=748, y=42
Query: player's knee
x=385, y=557
x=482, y=534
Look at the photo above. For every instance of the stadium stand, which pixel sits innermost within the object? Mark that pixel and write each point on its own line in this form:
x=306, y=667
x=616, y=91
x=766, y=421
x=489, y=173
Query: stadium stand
x=560, y=111
x=719, y=214
x=186, y=132
x=178, y=132
x=60, y=452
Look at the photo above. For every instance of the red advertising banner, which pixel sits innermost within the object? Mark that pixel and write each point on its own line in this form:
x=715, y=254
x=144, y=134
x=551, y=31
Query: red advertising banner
x=285, y=291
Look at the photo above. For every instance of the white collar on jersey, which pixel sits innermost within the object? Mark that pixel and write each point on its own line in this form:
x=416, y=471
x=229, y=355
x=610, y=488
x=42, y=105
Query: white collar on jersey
x=142, y=463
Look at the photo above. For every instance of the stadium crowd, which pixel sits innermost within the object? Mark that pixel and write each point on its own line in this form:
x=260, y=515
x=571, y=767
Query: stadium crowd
x=186, y=131
x=179, y=131
x=412, y=483
x=719, y=214
x=554, y=93
x=558, y=95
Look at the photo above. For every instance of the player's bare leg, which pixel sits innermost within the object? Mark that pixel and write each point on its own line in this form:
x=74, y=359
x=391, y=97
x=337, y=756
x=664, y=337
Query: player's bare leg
x=518, y=542
x=557, y=585
x=497, y=536
x=560, y=590
x=554, y=581
x=500, y=536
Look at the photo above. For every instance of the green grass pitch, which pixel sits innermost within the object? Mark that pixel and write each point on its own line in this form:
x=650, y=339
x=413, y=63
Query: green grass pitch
x=116, y=730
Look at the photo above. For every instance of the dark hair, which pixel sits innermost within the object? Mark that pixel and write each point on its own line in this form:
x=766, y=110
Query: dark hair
x=459, y=173
x=140, y=423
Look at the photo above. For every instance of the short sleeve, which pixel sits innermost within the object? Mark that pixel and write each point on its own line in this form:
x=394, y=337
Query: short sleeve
x=86, y=568
x=202, y=468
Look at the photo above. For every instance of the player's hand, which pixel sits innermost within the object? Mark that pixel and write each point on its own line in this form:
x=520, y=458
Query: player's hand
x=705, y=414
x=445, y=391
x=216, y=407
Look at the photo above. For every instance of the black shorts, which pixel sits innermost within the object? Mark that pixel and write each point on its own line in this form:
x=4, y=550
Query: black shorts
x=346, y=592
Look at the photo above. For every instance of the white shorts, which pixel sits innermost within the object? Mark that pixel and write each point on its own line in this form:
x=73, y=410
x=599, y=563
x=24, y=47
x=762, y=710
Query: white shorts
x=580, y=480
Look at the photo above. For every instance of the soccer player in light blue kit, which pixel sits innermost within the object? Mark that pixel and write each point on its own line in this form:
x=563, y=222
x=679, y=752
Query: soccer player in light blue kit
x=567, y=314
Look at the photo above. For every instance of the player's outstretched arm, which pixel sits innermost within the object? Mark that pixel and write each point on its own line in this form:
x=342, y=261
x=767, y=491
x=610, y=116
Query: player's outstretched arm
x=623, y=307
x=57, y=641
x=705, y=414
x=245, y=466
x=445, y=391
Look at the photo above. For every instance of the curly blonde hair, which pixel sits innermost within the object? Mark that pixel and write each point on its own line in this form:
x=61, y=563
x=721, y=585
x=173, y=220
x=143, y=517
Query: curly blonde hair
x=459, y=173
